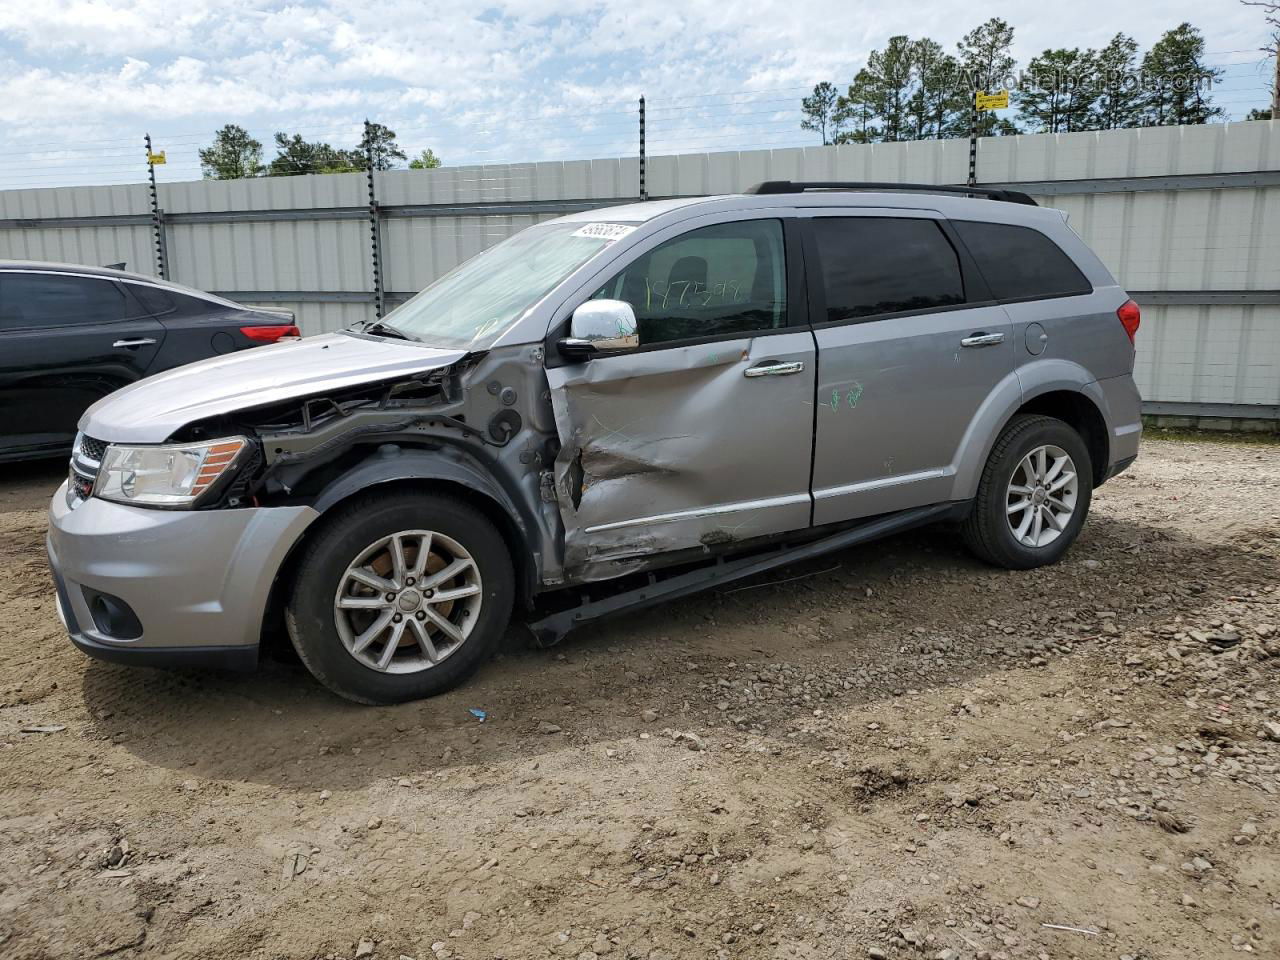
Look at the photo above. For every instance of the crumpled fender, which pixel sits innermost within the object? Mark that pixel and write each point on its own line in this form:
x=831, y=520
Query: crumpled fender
x=448, y=463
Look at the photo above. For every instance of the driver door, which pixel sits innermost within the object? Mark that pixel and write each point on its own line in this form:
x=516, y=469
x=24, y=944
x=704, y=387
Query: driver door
x=701, y=436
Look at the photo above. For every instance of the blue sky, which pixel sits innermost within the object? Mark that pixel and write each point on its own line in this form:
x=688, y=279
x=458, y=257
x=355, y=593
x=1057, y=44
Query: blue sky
x=81, y=80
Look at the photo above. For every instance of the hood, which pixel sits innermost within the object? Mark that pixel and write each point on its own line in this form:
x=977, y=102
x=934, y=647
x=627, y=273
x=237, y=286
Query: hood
x=150, y=410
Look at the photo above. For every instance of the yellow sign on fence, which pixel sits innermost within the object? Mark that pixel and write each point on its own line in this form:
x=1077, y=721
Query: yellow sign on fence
x=155, y=159
x=992, y=101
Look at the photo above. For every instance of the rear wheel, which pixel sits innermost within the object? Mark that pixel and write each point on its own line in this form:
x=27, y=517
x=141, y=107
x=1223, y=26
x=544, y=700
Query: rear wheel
x=1033, y=496
x=400, y=596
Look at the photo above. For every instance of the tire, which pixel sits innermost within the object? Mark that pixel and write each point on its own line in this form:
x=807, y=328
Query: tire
x=989, y=530
x=358, y=544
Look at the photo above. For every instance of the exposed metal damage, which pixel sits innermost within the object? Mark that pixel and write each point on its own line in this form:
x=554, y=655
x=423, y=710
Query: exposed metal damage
x=482, y=424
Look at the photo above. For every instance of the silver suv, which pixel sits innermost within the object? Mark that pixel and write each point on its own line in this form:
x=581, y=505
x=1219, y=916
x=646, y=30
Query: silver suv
x=603, y=412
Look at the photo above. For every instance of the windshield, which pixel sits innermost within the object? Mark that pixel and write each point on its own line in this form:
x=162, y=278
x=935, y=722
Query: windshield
x=477, y=301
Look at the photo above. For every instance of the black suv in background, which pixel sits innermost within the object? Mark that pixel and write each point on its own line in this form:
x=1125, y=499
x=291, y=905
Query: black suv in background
x=69, y=335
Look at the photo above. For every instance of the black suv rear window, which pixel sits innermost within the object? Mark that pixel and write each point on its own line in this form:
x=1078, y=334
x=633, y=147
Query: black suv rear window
x=879, y=265
x=1020, y=263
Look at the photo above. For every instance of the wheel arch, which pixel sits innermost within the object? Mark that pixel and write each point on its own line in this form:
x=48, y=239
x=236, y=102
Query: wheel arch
x=1054, y=388
x=444, y=471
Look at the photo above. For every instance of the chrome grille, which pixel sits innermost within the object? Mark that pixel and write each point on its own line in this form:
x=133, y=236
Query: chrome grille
x=86, y=458
x=92, y=449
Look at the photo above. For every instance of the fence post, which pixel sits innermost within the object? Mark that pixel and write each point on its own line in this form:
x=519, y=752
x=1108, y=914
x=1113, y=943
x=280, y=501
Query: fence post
x=644, y=193
x=157, y=217
x=973, y=140
x=375, y=226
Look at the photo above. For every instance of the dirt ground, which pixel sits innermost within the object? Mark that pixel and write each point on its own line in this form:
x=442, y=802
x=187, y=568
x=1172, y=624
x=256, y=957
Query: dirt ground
x=899, y=753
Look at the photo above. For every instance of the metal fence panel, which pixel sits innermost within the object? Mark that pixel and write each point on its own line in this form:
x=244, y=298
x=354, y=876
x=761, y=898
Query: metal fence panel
x=1187, y=217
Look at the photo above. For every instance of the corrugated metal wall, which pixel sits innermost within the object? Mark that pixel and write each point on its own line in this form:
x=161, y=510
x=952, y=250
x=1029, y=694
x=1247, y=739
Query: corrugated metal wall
x=1186, y=217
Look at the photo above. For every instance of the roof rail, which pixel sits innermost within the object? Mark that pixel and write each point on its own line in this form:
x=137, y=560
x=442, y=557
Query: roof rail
x=787, y=186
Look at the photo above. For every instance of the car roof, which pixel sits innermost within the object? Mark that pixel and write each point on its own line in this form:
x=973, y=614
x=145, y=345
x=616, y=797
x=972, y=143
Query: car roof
x=41, y=266
x=107, y=273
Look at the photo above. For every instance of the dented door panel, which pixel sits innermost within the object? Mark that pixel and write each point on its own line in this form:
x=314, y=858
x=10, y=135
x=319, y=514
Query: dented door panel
x=676, y=448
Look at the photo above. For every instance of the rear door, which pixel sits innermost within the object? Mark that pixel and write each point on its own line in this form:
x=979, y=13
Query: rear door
x=910, y=345
x=66, y=341
x=702, y=436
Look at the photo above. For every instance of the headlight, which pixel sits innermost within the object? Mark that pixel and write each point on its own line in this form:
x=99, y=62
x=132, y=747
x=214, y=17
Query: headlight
x=168, y=476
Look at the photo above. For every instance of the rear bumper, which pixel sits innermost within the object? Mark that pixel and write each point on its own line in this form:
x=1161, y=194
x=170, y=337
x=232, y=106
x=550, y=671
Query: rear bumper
x=181, y=588
x=1123, y=412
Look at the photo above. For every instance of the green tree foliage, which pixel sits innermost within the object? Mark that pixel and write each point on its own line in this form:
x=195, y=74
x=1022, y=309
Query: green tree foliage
x=856, y=111
x=892, y=77
x=937, y=98
x=818, y=112
x=1256, y=114
x=427, y=160
x=1179, y=83
x=1063, y=92
x=986, y=63
x=380, y=143
x=295, y=156
x=234, y=155
x=914, y=90
x=1121, y=99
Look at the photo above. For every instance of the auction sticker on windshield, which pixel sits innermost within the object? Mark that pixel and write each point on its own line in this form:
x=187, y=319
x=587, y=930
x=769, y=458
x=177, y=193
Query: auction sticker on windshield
x=605, y=231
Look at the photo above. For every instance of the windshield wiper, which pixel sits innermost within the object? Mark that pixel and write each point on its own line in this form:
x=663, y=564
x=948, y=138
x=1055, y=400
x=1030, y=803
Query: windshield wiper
x=381, y=328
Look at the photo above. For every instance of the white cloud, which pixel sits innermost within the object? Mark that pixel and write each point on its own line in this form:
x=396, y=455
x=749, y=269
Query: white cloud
x=517, y=78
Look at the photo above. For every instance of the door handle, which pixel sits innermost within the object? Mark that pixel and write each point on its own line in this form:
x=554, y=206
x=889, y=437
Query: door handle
x=139, y=342
x=982, y=340
x=774, y=368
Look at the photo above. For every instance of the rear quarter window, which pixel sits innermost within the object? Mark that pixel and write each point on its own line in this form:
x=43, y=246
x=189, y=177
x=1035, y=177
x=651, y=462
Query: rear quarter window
x=1021, y=263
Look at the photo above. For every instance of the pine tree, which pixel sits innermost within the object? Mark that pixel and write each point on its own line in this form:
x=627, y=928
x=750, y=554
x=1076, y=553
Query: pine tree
x=856, y=110
x=1063, y=92
x=986, y=63
x=234, y=155
x=819, y=112
x=1178, y=82
x=1120, y=100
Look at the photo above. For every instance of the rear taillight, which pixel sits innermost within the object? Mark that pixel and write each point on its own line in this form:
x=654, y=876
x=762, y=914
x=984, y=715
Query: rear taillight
x=1130, y=318
x=270, y=333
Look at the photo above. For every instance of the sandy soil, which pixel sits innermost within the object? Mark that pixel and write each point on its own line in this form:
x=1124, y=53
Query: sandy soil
x=900, y=754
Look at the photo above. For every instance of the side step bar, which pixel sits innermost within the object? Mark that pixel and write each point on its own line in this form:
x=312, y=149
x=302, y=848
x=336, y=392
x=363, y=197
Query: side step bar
x=553, y=628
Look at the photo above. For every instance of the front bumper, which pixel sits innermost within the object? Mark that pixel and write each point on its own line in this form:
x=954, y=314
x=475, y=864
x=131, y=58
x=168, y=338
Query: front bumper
x=194, y=584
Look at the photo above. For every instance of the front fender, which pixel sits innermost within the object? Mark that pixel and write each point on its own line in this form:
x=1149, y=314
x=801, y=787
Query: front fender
x=394, y=463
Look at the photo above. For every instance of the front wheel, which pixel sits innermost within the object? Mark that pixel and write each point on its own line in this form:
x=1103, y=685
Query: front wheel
x=400, y=596
x=1033, y=496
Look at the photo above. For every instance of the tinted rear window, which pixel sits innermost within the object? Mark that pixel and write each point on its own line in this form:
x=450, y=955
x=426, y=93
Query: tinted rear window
x=52, y=300
x=1020, y=263
x=877, y=265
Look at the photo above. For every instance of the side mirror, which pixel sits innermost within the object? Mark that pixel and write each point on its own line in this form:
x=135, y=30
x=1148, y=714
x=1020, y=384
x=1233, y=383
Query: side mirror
x=600, y=327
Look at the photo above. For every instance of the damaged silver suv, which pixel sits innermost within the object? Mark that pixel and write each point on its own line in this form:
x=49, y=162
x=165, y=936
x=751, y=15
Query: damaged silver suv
x=606, y=411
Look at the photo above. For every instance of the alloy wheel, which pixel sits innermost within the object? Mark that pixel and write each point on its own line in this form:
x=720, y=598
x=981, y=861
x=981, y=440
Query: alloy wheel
x=1041, y=497
x=408, y=601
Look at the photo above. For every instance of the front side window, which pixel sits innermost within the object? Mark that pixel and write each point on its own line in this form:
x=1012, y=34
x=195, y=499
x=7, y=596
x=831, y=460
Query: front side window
x=472, y=305
x=721, y=280
x=879, y=265
x=56, y=300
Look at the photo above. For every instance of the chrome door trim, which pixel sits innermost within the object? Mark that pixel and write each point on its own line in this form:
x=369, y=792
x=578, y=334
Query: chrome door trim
x=882, y=482
x=738, y=507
